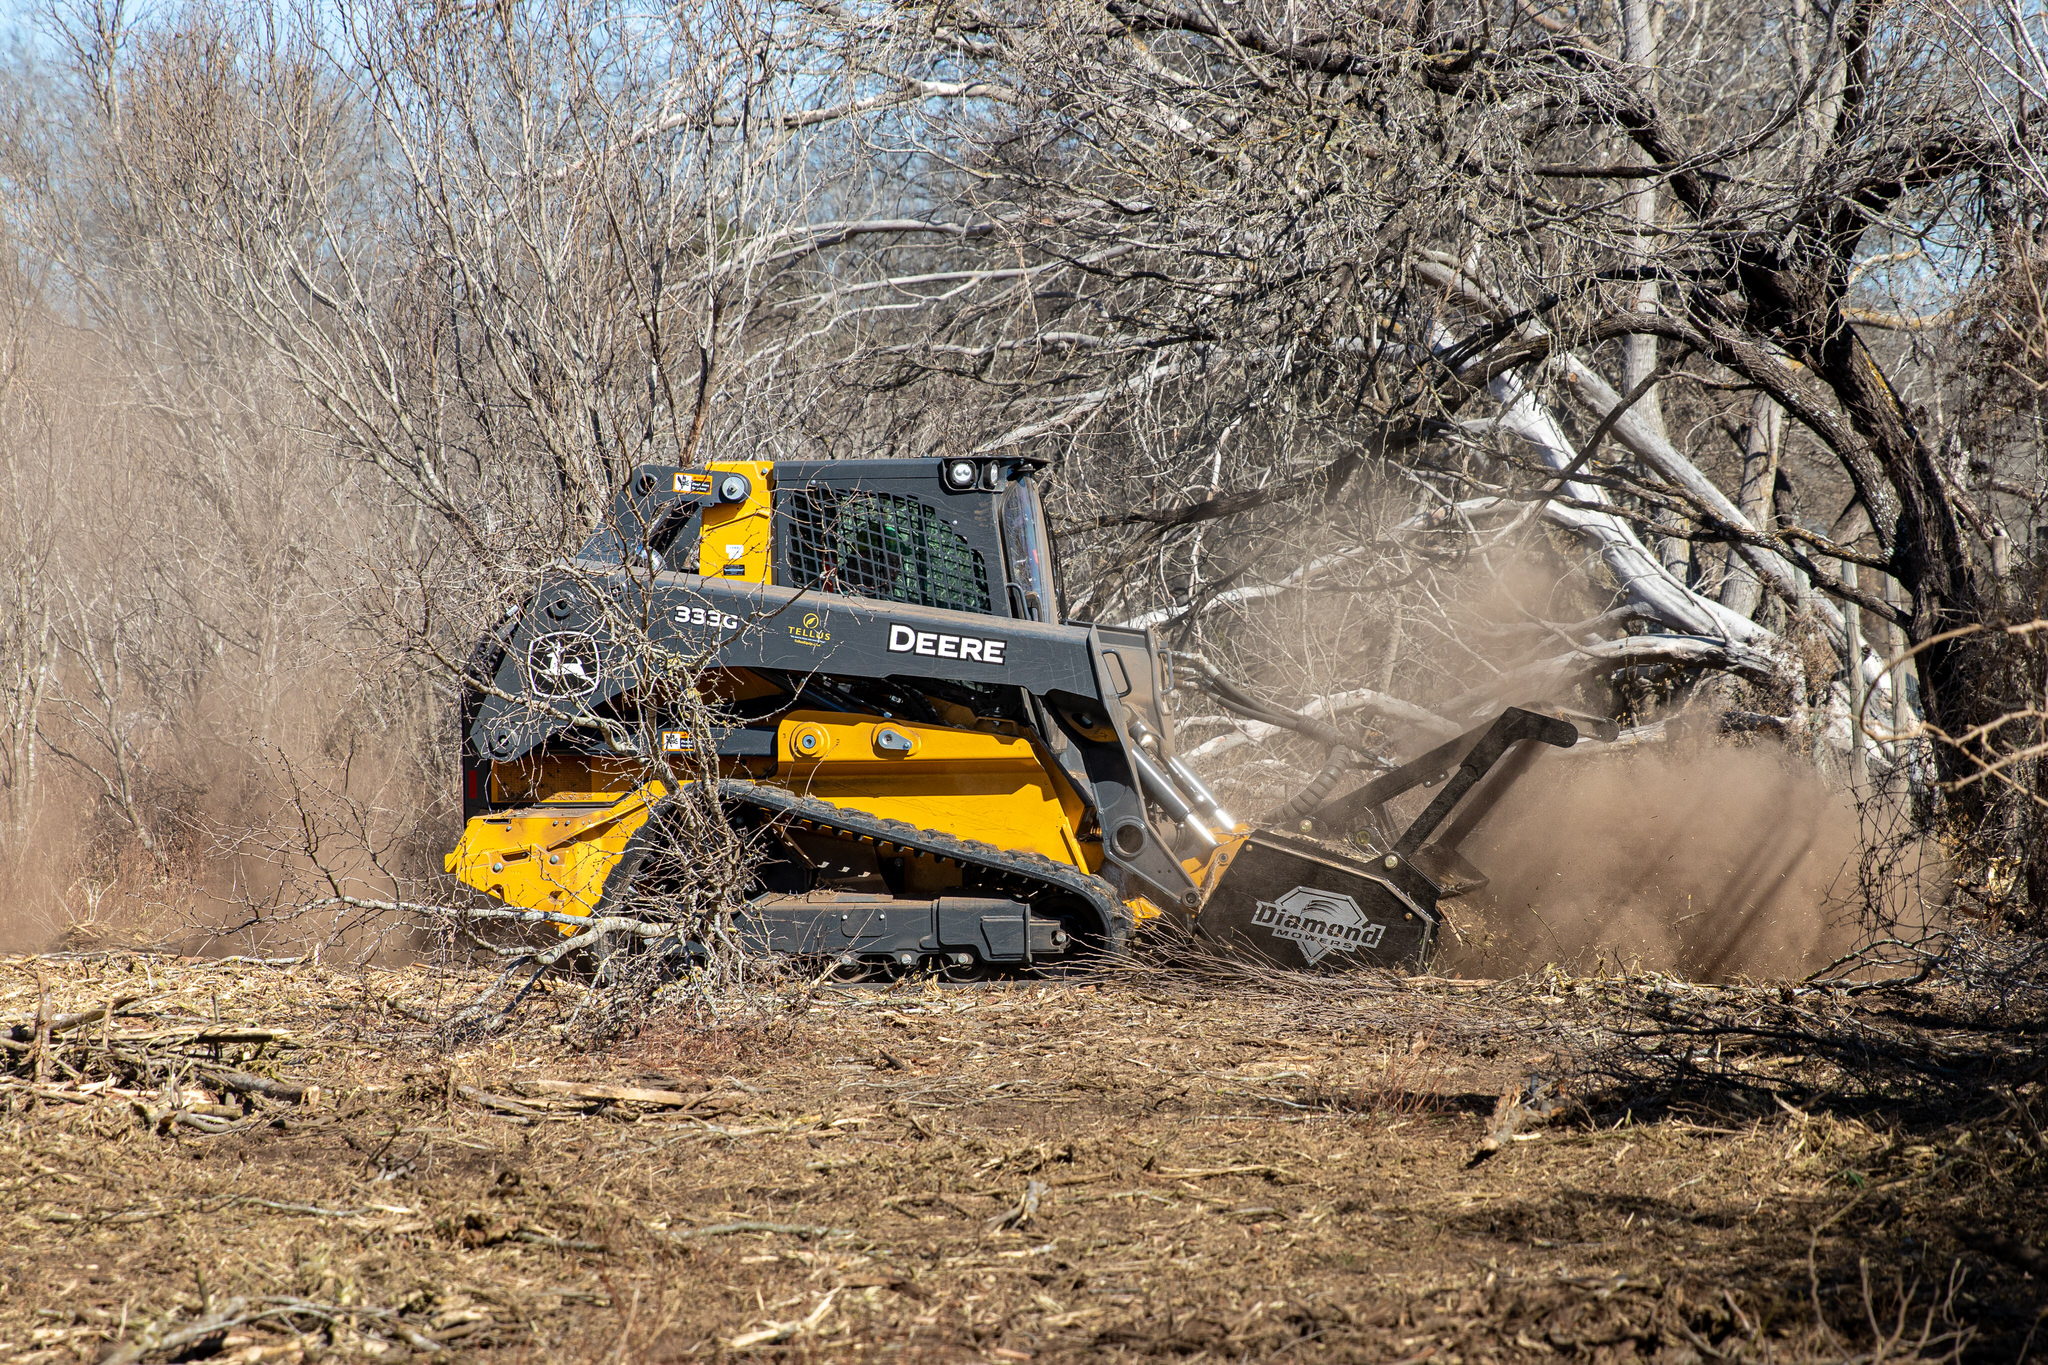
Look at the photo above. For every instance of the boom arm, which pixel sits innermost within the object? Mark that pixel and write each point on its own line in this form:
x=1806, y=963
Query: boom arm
x=1481, y=748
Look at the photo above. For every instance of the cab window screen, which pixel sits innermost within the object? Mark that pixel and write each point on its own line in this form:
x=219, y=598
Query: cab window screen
x=879, y=545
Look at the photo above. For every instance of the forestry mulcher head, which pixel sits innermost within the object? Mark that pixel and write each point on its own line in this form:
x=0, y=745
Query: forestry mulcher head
x=939, y=771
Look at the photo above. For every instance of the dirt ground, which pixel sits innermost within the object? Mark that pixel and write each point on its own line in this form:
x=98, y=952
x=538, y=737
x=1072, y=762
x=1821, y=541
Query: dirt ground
x=1135, y=1167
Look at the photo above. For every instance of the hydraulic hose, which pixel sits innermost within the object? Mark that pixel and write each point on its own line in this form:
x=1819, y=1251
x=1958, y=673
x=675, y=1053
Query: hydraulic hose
x=1317, y=791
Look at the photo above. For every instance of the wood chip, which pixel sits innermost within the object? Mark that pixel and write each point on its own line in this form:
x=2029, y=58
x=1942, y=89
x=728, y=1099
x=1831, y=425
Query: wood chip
x=618, y=1094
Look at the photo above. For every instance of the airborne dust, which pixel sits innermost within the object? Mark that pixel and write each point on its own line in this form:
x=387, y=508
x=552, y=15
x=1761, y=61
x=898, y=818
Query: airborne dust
x=1705, y=860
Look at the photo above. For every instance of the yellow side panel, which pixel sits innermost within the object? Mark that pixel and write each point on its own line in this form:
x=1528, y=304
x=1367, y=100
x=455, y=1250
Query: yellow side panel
x=969, y=783
x=552, y=856
x=737, y=537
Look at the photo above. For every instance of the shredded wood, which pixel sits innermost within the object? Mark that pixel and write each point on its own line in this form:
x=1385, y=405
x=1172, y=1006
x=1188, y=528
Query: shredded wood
x=1149, y=1163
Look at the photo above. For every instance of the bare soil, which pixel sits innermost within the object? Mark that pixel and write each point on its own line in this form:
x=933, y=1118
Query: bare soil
x=1135, y=1167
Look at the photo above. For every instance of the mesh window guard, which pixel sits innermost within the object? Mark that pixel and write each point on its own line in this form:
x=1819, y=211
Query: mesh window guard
x=879, y=545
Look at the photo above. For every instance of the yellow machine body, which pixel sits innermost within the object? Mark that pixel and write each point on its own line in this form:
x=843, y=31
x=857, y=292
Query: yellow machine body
x=975, y=784
x=988, y=786
x=737, y=540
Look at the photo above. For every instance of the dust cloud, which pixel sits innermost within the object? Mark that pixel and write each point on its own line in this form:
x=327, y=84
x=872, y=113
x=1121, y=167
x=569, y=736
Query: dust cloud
x=1709, y=861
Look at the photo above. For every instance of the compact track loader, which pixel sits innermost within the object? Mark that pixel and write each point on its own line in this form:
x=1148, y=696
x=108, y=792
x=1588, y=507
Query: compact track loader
x=942, y=773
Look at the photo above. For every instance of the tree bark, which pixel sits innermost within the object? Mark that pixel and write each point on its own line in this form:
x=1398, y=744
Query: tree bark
x=1741, y=590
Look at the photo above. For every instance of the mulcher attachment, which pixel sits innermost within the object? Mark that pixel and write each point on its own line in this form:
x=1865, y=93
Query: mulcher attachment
x=1474, y=752
x=1309, y=904
x=1304, y=904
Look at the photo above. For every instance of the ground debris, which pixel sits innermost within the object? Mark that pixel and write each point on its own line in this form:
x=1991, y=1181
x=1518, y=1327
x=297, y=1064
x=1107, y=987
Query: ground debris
x=1513, y=1112
x=134, y=1050
x=1116, y=1168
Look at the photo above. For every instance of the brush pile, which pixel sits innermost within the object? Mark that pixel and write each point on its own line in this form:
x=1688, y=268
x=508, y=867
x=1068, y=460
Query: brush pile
x=172, y=1068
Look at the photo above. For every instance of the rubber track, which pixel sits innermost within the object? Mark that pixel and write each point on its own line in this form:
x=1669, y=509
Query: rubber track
x=1034, y=869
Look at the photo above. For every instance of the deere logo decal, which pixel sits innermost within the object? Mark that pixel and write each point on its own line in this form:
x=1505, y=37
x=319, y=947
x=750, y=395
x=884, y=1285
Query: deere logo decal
x=904, y=640
x=562, y=665
x=1320, y=921
x=811, y=630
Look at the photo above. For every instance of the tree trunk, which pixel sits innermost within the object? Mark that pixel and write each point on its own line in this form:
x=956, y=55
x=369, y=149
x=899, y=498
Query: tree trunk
x=1639, y=352
x=1741, y=590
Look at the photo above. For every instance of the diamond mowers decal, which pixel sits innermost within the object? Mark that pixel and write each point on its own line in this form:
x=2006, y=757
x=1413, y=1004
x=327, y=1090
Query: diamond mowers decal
x=1320, y=921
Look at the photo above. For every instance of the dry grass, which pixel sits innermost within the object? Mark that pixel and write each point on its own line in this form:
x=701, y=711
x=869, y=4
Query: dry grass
x=1136, y=1167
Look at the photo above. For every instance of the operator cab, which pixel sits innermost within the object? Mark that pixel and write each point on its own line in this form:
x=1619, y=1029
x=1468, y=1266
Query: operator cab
x=960, y=534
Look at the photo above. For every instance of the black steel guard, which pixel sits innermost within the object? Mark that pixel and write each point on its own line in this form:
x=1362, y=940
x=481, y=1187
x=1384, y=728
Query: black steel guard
x=1481, y=748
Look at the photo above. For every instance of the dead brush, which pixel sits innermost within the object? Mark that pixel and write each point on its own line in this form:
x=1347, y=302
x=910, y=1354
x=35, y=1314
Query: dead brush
x=1874, y=1322
x=1939, y=1040
x=174, y=1072
x=1398, y=1084
x=1904, y=1323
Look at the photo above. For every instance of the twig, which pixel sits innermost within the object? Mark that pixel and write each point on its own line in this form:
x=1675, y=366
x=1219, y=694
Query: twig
x=626, y=1094
x=501, y=1103
x=804, y=1230
x=232, y=1314
x=64, y=1023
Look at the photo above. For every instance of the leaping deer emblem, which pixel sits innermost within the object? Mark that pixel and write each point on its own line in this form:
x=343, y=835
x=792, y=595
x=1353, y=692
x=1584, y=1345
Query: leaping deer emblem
x=563, y=664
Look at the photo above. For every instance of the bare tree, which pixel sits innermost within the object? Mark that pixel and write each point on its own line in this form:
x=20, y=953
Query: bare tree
x=187, y=570
x=1275, y=267
x=27, y=659
x=494, y=261
x=1407, y=358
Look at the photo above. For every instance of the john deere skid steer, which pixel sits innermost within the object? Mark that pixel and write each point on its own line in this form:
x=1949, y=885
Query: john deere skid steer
x=940, y=771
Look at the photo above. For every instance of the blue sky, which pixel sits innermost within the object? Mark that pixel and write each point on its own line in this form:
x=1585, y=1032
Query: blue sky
x=18, y=22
